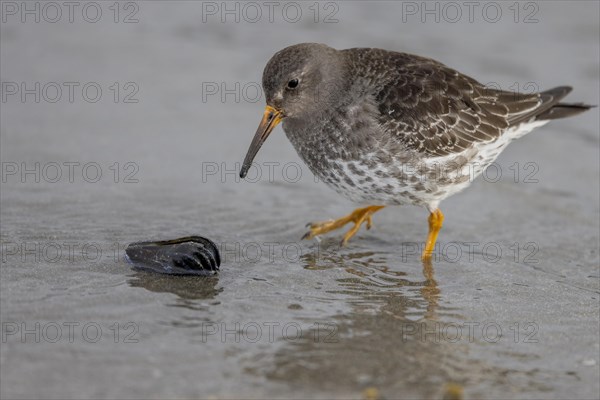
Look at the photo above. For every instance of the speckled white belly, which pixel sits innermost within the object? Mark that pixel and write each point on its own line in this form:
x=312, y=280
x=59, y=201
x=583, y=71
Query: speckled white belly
x=426, y=182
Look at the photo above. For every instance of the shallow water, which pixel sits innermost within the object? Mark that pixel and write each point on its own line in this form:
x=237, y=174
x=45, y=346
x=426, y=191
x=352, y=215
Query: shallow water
x=509, y=308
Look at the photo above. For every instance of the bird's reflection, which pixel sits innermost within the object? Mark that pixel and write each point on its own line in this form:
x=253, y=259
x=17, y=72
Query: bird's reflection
x=430, y=290
x=380, y=343
x=373, y=270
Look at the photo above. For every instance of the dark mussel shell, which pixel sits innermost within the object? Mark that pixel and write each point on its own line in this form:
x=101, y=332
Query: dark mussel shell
x=191, y=255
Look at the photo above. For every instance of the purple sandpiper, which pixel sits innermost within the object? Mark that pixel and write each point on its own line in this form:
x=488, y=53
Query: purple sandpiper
x=387, y=128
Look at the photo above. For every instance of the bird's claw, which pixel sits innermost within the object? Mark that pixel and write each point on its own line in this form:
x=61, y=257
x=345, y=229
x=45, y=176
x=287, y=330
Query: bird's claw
x=357, y=217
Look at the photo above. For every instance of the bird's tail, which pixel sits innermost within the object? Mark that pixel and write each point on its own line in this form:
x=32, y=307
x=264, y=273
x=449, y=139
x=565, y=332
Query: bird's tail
x=560, y=110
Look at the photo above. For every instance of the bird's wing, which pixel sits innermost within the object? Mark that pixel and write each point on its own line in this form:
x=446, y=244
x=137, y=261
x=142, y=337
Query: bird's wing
x=435, y=110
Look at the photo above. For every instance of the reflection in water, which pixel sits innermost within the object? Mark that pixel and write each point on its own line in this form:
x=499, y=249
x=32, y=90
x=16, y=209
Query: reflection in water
x=189, y=289
x=377, y=345
x=430, y=290
x=373, y=272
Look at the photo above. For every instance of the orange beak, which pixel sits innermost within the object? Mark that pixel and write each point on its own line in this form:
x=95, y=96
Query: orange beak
x=271, y=118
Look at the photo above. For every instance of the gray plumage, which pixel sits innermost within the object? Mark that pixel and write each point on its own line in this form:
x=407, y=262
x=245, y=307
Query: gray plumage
x=383, y=127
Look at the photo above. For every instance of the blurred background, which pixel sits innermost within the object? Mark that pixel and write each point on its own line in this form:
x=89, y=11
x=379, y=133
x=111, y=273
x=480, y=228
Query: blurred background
x=127, y=121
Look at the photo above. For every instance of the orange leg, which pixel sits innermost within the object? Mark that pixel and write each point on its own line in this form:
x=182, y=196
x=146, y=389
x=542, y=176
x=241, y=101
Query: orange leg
x=436, y=218
x=358, y=216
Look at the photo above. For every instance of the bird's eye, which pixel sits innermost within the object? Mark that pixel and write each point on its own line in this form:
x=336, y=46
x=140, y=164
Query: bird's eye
x=292, y=84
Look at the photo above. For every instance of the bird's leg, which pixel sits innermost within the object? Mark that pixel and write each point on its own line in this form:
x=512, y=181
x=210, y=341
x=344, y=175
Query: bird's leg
x=436, y=218
x=358, y=216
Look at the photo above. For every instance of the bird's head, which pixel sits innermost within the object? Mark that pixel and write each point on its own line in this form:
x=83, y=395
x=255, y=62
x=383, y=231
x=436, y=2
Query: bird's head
x=299, y=82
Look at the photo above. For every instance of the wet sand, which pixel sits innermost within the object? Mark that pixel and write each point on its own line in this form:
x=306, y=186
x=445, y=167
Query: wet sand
x=508, y=309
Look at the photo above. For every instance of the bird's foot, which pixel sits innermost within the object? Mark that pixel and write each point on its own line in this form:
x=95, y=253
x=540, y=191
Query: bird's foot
x=358, y=216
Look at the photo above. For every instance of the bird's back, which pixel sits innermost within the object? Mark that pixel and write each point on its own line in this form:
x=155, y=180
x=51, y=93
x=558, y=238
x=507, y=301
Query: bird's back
x=434, y=110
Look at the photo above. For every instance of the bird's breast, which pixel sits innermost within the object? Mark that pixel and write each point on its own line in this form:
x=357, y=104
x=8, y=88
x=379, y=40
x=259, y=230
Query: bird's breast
x=368, y=165
x=349, y=152
x=327, y=141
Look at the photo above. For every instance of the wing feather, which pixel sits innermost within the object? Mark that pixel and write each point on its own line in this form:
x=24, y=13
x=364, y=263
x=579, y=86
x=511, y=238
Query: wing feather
x=435, y=110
